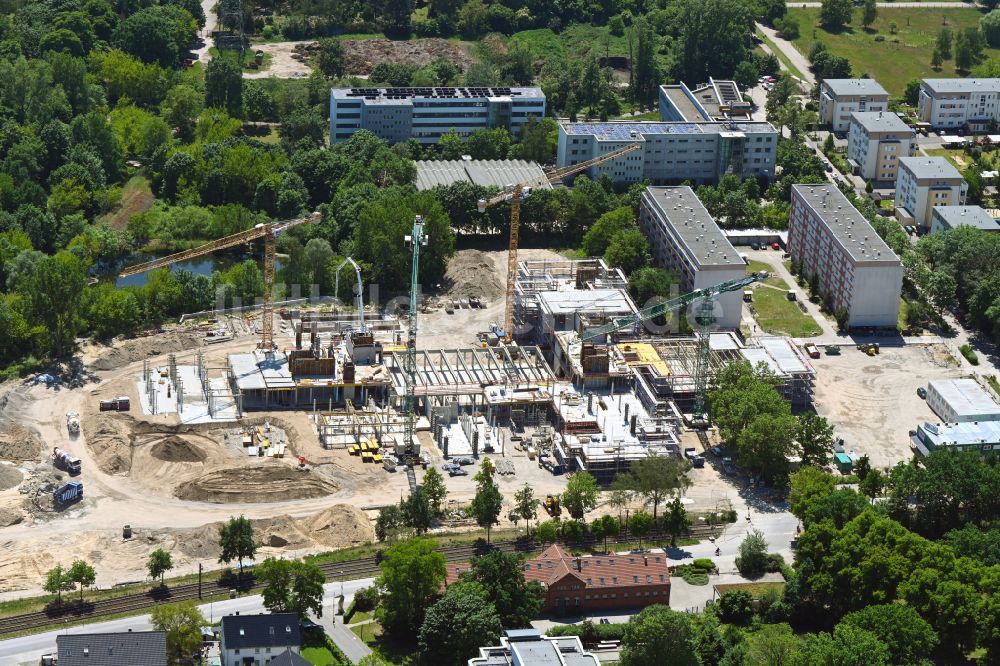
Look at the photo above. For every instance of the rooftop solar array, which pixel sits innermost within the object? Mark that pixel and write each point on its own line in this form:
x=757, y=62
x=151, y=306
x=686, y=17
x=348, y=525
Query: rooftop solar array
x=623, y=131
x=433, y=92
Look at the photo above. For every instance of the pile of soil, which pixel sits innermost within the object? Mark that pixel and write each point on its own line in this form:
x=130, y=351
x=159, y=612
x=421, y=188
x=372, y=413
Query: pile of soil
x=10, y=477
x=121, y=353
x=339, y=526
x=266, y=482
x=177, y=449
x=473, y=273
x=362, y=55
x=10, y=515
x=110, y=440
x=19, y=444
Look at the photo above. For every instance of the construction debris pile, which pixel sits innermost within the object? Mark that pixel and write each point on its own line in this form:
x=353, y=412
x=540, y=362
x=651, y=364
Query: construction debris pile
x=362, y=55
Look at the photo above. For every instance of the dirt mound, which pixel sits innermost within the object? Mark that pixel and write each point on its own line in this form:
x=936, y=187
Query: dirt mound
x=339, y=526
x=10, y=477
x=19, y=444
x=110, y=439
x=362, y=55
x=278, y=532
x=120, y=354
x=10, y=516
x=267, y=482
x=473, y=273
x=200, y=542
x=177, y=449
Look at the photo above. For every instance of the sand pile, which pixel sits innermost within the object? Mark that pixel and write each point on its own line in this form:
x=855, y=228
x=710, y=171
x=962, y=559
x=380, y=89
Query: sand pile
x=121, y=353
x=269, y=481
x=10, y=515
x=339, y=526
x=10, y=477
x=473, y=273
x=177, y=449
x=362, y=55
x=18, y=444
x=110, y=440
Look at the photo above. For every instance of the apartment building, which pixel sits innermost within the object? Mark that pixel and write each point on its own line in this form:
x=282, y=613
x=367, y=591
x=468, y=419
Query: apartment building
x=924, y=183
x=424, y=114
x=961, y=401
x=876, y=141
x=716, y=100
x=857, y=271
x=946, y=218
x=839, y=98
x=672, y=152
x=685, y=239
x=971, y=103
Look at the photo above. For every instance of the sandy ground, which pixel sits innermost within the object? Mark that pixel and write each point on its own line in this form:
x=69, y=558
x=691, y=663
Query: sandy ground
x=872, y=401
x=283, y=65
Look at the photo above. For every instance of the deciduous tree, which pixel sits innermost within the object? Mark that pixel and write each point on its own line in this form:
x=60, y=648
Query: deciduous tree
x=236, y=539
x=182, y=625
x=412, y=574
x=580, y=495
x=82, y=574
x=659, y=635
x=487, y=502
x=159, y=563
x=501, y=575
x=457, y=625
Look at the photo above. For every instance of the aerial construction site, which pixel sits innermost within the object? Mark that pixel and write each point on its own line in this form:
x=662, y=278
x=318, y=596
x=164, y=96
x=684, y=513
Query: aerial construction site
x=308, y=417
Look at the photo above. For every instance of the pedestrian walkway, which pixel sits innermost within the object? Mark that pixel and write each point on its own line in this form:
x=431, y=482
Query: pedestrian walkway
x=348, y=642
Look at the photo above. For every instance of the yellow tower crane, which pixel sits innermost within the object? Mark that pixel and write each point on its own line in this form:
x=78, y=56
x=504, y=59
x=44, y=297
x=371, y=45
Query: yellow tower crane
x=269, y=231
x=515, y=194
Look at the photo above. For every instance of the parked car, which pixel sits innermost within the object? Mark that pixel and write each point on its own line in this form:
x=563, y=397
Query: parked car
x=457, y=471
x=447, y=467
x=922, y=392
x=464, y=460
x=728, y=467
x=716, y=451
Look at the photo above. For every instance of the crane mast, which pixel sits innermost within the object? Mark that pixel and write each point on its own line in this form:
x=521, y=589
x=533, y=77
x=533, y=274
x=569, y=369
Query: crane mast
x=416, y=239
x=517, y=193
x=704, y=317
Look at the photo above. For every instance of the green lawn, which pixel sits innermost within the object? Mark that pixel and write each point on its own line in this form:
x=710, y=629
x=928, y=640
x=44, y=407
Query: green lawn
x=782, y=58
x=390, y=650
x=579, y=39
x=958, y=158
x=775, y=313
x=136, y=198
x=892, y=63
x=319, y=656
x=755, y=589
x=248, y=56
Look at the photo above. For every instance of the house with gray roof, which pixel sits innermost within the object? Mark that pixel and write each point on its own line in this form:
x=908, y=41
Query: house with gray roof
x=959, y=103
x=839, y=98
x=255, y=640
x=135, y=648
x=946, y=218
x=924, y=183
x=875, y=143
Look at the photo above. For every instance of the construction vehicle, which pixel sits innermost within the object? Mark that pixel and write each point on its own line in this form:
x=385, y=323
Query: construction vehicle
x=68, y=493
x=517, y=193
x=64, y=461
x=833, y=350
x=551, y=505
x=269, y=232
x=704, y=316
x=73, y=424
x=870, y=348
x=119, y=404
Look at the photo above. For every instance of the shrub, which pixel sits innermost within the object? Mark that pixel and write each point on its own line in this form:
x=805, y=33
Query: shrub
x=600, y=632
x=753, y=557
x=704, y=563
x=879, y=38
x=969, y=354
x=736, y=607
x=692, y=575
x=366, y=599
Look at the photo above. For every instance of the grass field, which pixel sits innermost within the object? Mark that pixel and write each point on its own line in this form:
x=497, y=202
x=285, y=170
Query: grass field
x=391, y=651
x=319, y=656
x=136, y=198
x=892, y=64
x=755, y=589
x=248, y=56
x=775, y=313
x=782, y=58
x=577, y=39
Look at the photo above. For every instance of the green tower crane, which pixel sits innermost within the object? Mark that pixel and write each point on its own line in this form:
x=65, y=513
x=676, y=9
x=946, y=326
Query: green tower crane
x=415, y=240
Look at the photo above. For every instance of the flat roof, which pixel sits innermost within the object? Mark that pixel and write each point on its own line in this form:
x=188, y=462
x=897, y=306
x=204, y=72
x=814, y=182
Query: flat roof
x=849, y=227
x=966, y=216
x=965, y=396
x=622, y=130
x=929, y=167
x=881, y=121
x=253, y=370
x=586, y=300
x=963, y=434
x=854, y=87
x=489, y=173
x=956, y=85
x=435, y=92
x=694, y=226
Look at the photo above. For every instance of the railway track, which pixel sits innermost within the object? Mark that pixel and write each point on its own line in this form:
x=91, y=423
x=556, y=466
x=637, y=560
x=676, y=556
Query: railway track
x=347, y=570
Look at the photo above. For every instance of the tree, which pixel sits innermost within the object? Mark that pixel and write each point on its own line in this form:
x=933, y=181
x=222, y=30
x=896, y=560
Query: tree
x=647, y=74
x=835, y=14
x=944, y=41
x=746, y=74
x=224, y=86
x=773, y=644
x=434, y=489
x=628, y=250
x=417, y=511
x=603, y=527
x=661, y=636
x=547, y=532
x=54, y=292
x=488, y=502
x=57, y=581
x=526, y=505
x=291, y=586
x=675, y=520
x=182, y=625
x=159, y=563
x=457, y=625
x=501, y=575
x=150, y=35
x=412, y=574
x=81, y=574
x=181, y=108
x=236, y=540
x=331, y=58
x=580, y=495
x=389, y=522
x=908, y=638
x=808, y=486
x=869, y=13
x=713, y=37
x=654, y=478
x=814, y=437
x=395, y=17
x=990, y=26
x=597, y=239
x=752, y=559
x=640, y=524
x=873, y=484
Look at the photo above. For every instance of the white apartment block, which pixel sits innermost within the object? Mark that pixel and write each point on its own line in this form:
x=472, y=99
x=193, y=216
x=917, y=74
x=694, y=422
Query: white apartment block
x=946, y=103
x=686, y=240
x=828, y=237
x=946, y=218
x=876, y=141
x=424, y=114
x=672, y=152
x=839, y=98
x=961, y=401
x=924, y=183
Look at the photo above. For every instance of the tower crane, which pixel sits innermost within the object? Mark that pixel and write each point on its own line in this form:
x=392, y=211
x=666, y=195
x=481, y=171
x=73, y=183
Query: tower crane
x=360, y=300
x=515, y=194
x=705, y=317
x=416, y=239
x=269, y=231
